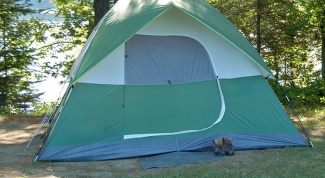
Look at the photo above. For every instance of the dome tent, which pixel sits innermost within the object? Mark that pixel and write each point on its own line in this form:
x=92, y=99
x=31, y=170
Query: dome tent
x=160, y=76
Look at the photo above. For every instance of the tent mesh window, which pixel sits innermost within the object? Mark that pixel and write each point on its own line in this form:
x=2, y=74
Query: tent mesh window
x=163, y=60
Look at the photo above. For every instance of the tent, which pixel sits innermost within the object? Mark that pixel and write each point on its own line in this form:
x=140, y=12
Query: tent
x=160, y=76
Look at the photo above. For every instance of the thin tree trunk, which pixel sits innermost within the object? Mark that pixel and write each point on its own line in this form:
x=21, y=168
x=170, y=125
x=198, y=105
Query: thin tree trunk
x=258, y=25
x=5, y=59
x=276, y=65
x=322, y=28
x=323, y=55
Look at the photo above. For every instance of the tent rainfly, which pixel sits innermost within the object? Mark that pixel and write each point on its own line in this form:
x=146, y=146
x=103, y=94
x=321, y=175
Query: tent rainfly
x=160, y=76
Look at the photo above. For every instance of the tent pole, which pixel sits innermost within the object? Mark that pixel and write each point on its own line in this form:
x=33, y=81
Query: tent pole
x=47, y=116
x=296, y=114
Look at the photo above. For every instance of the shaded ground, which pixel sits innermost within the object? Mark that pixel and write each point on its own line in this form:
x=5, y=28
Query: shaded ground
x=15, y=133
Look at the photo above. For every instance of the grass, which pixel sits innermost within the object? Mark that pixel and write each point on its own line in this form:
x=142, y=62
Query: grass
x=287, y=162
x=281, y=162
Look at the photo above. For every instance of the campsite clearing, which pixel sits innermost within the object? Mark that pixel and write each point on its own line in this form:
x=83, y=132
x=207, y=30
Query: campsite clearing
x=16, y=131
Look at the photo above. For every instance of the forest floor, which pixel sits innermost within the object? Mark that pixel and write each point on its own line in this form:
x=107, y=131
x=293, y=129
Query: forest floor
x=16, y=131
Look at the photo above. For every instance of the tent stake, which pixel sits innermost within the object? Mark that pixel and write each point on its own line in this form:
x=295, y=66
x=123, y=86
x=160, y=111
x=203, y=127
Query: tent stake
x=296, y=114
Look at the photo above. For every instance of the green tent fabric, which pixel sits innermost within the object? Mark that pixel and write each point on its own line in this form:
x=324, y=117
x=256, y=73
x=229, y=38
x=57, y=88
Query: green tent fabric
x=161, y=76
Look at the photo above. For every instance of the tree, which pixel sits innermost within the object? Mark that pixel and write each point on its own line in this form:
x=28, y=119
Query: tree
x=314, y=18
x=80, y=17
x=18, y=40
x=274, y=28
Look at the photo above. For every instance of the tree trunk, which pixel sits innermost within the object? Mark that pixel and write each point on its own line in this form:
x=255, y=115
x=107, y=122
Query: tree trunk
x=101, y=7
x=322, y=28
x=258, y=25
x=323, y=55
x=276, y=66
x=5, y=88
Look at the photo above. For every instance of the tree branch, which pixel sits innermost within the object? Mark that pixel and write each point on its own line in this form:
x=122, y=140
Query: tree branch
x=53, y=44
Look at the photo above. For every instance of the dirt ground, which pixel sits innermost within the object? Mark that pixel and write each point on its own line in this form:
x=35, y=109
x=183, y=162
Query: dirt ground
x=15, y=133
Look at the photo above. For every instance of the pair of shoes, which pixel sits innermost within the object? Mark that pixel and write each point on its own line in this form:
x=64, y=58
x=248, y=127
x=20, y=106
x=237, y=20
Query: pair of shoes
x=223, y=146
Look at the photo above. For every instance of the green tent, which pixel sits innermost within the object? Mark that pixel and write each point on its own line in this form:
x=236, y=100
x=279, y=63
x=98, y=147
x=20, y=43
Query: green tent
x=159, y=76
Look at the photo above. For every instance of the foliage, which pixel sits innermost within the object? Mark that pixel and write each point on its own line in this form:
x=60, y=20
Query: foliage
x=71, y=33
x=311, y=95
x=286, y=29
x=285, y=42
x=313, y=12
x=19, y=38
x=42, y=108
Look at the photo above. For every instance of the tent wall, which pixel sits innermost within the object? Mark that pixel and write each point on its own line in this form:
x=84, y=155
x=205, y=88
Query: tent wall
x=171, y=108
x=108, y=71
x=92, y=124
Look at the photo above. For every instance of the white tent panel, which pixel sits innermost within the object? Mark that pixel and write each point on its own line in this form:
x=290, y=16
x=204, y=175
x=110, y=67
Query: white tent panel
x=227, y=60
x=78, y=61
x=108, y=71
